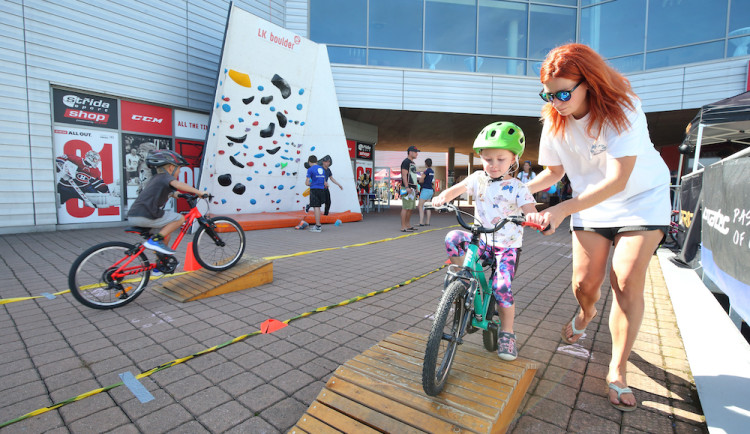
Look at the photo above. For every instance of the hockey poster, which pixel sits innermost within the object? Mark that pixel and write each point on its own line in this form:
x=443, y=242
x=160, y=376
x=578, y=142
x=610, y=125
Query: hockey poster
x=87, y=166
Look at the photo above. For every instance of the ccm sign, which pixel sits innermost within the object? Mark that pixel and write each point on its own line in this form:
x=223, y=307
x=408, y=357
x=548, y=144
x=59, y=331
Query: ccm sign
x=145, y=118
x=364, y=151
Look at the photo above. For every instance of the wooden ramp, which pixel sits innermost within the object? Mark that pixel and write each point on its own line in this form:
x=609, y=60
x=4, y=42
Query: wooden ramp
x=380, y=390
x=248, y=273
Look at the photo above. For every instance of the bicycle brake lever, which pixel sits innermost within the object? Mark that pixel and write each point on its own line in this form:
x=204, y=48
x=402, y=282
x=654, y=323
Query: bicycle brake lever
x=536, y=226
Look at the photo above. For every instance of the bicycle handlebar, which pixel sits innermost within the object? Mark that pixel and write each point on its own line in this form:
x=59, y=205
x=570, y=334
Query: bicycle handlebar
x=481, y=229
x=193, y=198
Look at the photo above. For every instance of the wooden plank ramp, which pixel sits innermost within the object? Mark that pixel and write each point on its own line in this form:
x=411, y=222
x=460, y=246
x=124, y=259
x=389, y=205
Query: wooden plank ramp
x=380, y=391
x=248, y=273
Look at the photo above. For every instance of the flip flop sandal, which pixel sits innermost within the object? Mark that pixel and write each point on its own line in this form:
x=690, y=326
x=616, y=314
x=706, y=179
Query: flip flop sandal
x=413, y=229
x=576, y=331
x=620, y=391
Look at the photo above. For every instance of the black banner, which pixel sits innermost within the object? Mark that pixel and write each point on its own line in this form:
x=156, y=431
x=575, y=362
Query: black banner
x=84, y=109
x=726, y=216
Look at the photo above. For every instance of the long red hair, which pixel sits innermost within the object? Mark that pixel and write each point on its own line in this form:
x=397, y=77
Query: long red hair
x=608, y=90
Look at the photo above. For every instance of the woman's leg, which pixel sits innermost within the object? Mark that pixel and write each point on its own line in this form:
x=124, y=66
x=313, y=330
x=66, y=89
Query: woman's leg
x=590, y=253
x=633, y=252
x=421, y=211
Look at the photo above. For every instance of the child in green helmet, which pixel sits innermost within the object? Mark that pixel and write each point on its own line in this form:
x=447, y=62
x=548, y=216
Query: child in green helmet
x=498, y=194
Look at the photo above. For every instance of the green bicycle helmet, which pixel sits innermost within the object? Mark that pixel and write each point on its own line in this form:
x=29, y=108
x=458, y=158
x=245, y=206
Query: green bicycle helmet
x=501, y=135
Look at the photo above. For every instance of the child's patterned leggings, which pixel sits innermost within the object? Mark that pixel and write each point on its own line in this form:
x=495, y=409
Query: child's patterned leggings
x=456, y=243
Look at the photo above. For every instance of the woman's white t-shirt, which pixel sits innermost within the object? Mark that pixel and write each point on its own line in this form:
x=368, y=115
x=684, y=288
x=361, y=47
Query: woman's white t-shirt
x=526, y=177
x=645, y=199
x=495, y=201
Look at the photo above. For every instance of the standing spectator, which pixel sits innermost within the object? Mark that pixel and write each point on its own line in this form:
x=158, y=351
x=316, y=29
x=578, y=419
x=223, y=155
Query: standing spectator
x=426, y=191
x=409, y=183
x=326, y=162
x=596, y=132
x=526, y=174
x=316, y=180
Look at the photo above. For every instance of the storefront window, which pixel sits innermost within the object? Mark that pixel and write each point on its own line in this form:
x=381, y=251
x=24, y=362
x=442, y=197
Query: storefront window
x=396, y=59
x=348, y=55
x=739, y=24
x=549, y=27
x=674, y=23
x=615, y=28
x=396, y=24
x=503, y=28
x=451, y=25
x=339, y=22
x=683, y=55
x=627, y=64
x=491, y=65
x=559, y=2
x=449, y=62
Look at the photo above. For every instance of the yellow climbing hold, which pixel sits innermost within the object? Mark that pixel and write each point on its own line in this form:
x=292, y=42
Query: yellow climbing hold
x=240, y=78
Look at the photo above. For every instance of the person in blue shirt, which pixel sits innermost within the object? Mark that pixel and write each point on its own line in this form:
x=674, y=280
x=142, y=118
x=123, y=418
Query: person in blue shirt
x=426, y=192
x=316, y=180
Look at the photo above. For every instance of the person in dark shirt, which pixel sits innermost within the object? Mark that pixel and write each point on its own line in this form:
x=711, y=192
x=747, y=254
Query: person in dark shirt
x=409, y=188
x=427, y=190
x=148, y=209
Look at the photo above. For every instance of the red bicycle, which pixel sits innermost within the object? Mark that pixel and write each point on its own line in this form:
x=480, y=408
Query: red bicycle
x=114, y=273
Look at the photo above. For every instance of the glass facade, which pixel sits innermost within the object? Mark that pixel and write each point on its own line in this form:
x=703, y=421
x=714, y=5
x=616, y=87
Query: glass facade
x=512, y=37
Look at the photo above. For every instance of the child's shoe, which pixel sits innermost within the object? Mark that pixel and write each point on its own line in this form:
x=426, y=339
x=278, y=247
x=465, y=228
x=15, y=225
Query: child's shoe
x=316, y=228
x=506, y=346
x=158, y=246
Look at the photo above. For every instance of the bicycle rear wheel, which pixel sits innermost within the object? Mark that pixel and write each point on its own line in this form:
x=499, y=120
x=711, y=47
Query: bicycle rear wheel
x=449, y=326
x=90, y=278
x=219, y=246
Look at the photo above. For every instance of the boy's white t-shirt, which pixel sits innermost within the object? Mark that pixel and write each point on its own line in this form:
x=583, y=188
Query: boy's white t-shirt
x=498, y=200
x=645, y=199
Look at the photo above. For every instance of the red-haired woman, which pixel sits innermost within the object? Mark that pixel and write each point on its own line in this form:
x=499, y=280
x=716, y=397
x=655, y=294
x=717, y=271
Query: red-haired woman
x=595, y=132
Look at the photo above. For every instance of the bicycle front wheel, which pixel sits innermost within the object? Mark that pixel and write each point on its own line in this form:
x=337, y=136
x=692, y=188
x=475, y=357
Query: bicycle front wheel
x=447, y=330
x=220, y=245
x=91, y=282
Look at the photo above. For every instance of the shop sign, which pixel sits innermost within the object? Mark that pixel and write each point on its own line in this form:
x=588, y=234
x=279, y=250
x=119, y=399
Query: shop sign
x=84, y=109
x=145, y=118
x=190, y=125
x=364, y=151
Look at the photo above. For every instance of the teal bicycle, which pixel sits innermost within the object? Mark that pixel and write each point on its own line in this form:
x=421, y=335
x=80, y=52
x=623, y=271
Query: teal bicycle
x=467, y=305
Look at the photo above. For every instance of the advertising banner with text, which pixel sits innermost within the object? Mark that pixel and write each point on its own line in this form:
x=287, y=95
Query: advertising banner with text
x=725, y=253
x=87, y=166
x=84, y=110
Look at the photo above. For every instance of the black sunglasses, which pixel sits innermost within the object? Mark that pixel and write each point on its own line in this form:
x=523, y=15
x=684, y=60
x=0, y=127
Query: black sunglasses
x=562, y=95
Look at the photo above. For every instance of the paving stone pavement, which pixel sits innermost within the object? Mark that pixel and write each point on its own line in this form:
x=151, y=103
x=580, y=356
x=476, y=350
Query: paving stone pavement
x=56, y=349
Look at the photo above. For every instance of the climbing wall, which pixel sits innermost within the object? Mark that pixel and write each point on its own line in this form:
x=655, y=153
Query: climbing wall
x=275, y=105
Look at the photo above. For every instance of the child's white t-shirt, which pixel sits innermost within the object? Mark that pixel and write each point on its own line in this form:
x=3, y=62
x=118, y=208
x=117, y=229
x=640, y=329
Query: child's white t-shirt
x=497, y=201
x=645, y=199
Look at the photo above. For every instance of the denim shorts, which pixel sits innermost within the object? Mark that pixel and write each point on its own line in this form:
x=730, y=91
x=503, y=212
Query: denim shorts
x=610, y=233
x=426, y=193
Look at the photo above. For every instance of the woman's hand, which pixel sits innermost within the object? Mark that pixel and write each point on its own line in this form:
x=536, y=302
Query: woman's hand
x=551, y=217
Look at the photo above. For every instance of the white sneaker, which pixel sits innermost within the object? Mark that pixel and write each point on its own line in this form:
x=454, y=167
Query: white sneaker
x=156, y=273
x=316, y=229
